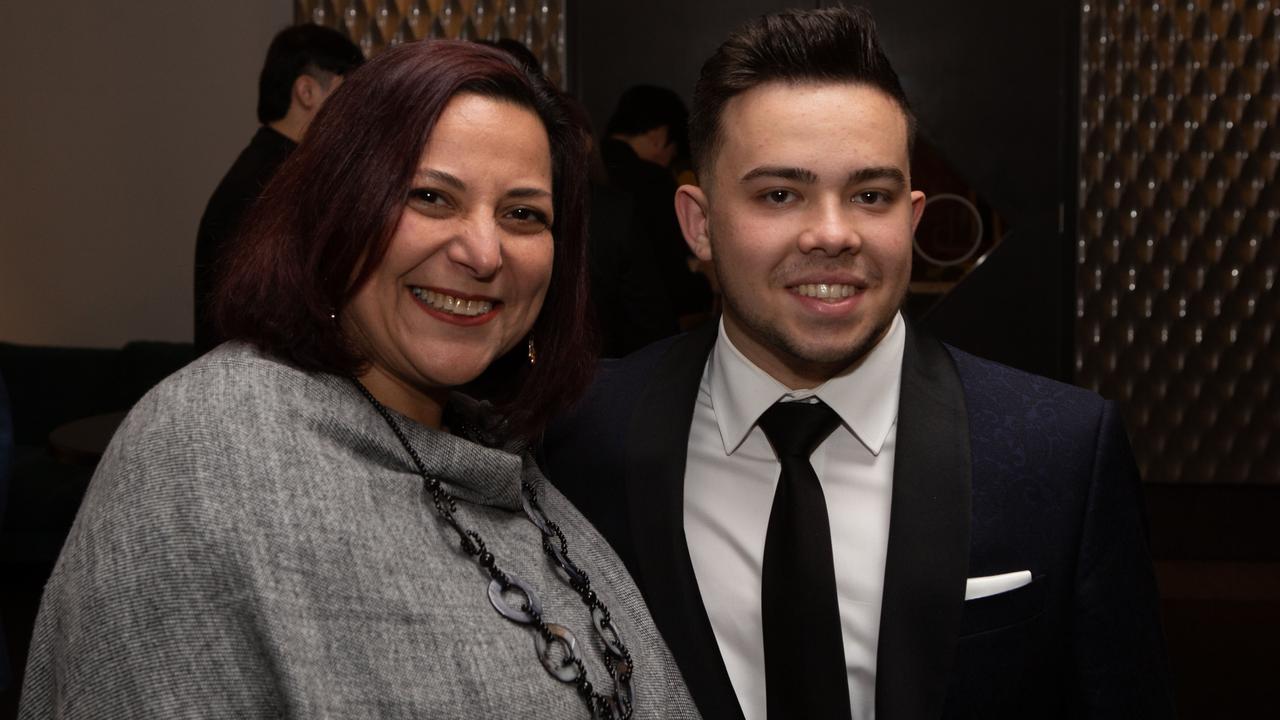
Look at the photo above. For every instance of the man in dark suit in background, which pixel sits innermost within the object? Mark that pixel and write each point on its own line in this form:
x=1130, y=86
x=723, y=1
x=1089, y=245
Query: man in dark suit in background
x=304, y=64
x=831, y=514
x=642, y=138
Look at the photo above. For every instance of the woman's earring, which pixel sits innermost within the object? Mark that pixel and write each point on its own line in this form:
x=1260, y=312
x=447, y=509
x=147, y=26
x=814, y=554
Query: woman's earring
x=533, y=352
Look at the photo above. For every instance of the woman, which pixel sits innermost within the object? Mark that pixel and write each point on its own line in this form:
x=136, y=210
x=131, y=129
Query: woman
x=313, y=523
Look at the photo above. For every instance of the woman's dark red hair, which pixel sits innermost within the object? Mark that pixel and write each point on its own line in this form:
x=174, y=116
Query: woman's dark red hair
x=326, y=219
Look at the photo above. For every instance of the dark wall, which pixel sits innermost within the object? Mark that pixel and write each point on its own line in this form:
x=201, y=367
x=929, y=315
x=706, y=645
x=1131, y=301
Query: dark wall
x=987, y=78
x=615, y=45
x=992, y=83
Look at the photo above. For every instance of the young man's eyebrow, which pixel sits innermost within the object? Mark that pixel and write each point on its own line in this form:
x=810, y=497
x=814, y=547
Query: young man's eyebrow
x=892, y=174
x=808, y=177
x=793, y=174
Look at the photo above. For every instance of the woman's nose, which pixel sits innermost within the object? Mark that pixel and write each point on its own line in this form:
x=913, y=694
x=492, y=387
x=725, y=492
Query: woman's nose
x=478, y=248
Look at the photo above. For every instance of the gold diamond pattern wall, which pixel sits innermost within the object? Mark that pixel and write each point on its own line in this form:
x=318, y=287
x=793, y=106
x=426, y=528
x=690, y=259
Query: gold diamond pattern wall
x=375, y=24
x=1178, y=256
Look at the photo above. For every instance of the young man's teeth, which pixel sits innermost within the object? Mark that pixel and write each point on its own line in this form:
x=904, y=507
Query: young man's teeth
x=451, y=304
x=823, y=291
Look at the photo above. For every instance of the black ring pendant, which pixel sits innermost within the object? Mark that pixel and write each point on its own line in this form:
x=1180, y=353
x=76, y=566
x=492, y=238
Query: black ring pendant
x=534, y=516
x=624, y=692
x=566, y=670
x=516, y=614
x=563, y=563
x=565, y=664
x=608, y=633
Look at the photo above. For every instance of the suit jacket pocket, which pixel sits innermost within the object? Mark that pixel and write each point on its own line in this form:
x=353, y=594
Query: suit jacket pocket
x=1004, y=609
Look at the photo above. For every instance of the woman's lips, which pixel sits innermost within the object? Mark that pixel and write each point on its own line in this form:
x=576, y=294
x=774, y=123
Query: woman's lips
x=456, y=308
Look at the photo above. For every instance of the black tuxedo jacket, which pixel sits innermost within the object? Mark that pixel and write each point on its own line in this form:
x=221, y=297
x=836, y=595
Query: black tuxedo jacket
x=995, y=471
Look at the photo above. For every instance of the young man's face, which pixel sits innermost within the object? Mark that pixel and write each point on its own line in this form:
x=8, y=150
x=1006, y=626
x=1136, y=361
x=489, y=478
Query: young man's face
x=807, y=213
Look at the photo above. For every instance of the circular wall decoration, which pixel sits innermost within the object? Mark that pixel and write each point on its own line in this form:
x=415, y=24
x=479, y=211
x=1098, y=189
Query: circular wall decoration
x=944, y=236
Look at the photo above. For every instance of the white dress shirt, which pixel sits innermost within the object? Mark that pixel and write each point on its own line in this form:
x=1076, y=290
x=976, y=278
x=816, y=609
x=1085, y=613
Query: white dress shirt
x=730, y=478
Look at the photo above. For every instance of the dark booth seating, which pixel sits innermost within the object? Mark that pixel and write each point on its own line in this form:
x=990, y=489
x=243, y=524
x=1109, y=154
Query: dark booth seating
x=47, y=388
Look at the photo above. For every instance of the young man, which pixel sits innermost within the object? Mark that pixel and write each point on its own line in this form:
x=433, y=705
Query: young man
x=304, y=64
x=831, y=514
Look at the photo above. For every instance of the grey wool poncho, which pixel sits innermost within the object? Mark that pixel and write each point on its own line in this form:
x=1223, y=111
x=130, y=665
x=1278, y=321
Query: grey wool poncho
x=256, y=543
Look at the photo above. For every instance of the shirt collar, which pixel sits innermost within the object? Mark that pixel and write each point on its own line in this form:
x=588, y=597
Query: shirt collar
x=865, y=396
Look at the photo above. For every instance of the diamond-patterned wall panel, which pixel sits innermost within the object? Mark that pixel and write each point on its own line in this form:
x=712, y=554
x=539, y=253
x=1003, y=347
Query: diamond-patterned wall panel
x=1177, y=300
x=375, y=24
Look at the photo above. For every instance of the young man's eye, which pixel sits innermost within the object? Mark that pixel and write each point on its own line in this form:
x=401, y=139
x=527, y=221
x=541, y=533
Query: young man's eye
x=871, y=197
x=779, y=197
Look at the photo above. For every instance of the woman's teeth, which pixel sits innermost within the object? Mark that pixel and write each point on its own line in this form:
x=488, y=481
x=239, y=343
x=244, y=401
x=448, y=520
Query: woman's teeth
x=823, y=291
x=451, y=304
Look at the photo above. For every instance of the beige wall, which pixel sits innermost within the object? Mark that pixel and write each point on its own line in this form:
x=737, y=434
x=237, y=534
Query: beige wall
x=117, y=119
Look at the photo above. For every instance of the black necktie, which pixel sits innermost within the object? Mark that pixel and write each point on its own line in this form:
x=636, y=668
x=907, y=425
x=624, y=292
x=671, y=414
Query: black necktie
x=805, y=674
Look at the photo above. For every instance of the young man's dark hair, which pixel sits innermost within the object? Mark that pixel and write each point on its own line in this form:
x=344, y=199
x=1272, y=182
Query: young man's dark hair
x=298, y=50
x=834, y=44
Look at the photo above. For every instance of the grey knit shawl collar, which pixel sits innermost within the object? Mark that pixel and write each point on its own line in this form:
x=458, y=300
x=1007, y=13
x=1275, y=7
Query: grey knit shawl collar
x=479, y=468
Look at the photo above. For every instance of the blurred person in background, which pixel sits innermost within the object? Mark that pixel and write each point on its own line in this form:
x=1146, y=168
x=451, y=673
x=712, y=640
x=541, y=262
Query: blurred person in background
x=305, y=63
x=628, y=292
x=642, y=138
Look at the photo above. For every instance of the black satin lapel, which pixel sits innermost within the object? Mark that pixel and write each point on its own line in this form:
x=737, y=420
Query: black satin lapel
x=928, y=557
x=657, y=447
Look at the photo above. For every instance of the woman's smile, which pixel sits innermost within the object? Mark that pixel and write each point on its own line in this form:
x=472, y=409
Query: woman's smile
x=456, y=307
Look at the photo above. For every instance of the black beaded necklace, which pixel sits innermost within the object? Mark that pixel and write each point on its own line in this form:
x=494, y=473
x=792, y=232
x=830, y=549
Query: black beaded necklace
x=555, y=644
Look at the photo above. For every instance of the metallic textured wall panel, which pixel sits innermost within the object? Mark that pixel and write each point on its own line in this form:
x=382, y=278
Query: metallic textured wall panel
x=1178, y=255
x=375, y=24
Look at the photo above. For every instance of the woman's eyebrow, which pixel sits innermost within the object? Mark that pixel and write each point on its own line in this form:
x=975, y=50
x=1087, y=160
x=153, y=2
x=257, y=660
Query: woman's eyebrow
x=441, y=176
x=456, y=182
x=528, y=192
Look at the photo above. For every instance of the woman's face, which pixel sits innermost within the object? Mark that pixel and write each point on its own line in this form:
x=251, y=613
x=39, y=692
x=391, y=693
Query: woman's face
x=467, y=269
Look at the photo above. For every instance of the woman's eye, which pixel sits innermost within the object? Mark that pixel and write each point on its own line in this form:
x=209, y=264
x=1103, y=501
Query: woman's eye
x=423, y=196
x=431, y=203
x=526, y=219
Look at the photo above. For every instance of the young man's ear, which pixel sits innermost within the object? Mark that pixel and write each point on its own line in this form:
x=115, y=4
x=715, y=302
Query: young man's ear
x=691, y=210
x=917, y=208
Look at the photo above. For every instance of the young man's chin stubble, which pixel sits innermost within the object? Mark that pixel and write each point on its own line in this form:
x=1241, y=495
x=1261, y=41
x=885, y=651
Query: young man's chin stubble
x=808, y=363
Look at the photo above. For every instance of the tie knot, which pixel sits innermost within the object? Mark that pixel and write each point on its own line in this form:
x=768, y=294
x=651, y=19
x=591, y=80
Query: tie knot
x=797, y=428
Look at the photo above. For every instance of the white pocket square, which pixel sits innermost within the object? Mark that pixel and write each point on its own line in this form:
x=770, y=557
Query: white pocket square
x=980, y=587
